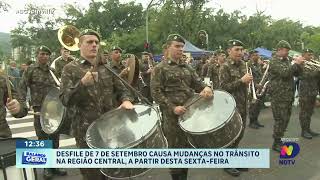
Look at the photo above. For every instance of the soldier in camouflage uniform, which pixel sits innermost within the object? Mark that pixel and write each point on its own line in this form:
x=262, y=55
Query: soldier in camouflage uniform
x=281, y=74
x=235, y=79
x=257, y=73
x=90, y=94
x=116, y=63
x=16, y=107
x=146, y=67
x=38, y=78
x=63, y=60
x=308, y=91
x=172, y=84
x=214, y=69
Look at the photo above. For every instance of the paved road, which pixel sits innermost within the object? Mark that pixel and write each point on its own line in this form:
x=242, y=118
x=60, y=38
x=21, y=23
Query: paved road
x=307, y=164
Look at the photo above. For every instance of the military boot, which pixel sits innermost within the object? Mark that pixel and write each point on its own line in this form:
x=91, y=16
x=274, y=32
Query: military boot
x=47, y=174
x=232, y=171
x=314, y=134
x=258, y=124
x=181, y=176
x=276, y=145
x=253, y=124
x=305, y=134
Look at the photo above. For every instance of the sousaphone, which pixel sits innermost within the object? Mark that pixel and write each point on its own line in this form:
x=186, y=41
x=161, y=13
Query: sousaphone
x=54, y=117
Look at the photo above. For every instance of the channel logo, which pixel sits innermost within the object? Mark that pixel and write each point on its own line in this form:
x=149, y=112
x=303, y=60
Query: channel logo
x=34, y=158
x=289, y=150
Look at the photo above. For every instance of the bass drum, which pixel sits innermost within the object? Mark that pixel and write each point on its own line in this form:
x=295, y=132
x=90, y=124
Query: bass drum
x=53, y=116
x=212, y=123
x=120, y=128
x=8, y=170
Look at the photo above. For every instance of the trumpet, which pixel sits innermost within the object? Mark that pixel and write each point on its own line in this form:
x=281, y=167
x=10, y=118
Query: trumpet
x=260, y=92
x=142, y=81
x=251, y=85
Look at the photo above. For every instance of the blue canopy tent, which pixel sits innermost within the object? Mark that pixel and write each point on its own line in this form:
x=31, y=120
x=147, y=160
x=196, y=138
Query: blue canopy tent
x=264, y=52
x=188, y=47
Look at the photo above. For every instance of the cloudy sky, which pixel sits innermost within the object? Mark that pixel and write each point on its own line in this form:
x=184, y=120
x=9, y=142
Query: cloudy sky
x=305, y=11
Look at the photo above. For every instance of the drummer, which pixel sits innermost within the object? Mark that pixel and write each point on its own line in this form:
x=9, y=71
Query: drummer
x=235, y=79
x=38, y=78
x=17, y=109
x=172, y=83
x=90, y=92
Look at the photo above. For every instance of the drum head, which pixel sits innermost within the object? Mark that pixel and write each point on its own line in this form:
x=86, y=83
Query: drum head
x=207, y=115
x=121, y=128
x=51, y=112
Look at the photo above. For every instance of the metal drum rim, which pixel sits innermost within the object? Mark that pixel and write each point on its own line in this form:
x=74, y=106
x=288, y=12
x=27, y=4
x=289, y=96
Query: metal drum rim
x=132, y=144
x=232, y=141
x=218, y=127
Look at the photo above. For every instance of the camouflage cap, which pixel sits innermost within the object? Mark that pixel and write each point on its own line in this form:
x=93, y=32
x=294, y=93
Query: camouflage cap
x=307, y=50
x=283, y=44
x=234, y=42
x=116, y=48
x=175, y=37
x=43, y=48
x=90, y=32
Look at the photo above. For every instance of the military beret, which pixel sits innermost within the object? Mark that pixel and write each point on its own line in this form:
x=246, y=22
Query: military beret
x=283, y=44
x=90, y=32
x=44, y=48
x=145, y=53
x=175, y=37
x=307, y=51
x=234, y=42
x=116, y=48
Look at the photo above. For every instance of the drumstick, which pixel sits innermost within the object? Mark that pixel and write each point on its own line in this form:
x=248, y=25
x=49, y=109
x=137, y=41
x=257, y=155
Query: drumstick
x=192, y=102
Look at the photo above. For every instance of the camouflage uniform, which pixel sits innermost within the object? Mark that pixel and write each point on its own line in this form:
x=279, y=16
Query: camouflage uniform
x=4, y=127
x=281, y=74
x=204, y=70
x=213, y=74
x=59, y=64
x=89, y=102
x=172, y=85
x=146, y=92
x=254, y=108
x=308, y=91
x=38, y=78
x=199, y=66
x=230, y=76
x=117, y=67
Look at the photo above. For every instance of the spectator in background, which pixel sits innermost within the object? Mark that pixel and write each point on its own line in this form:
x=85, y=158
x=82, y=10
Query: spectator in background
x=14, y=74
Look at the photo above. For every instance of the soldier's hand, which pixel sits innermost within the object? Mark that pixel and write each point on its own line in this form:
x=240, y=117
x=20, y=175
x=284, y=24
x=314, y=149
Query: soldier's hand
x=299, y=60
x=247, y=78
x=126, y=105
x=13, y=106
x=89, y=78
x=149, y=70
x=179, y=110
x=206, y=92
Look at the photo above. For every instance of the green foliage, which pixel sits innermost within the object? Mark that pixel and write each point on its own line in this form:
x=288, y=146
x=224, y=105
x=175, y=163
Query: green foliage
x=124, y=24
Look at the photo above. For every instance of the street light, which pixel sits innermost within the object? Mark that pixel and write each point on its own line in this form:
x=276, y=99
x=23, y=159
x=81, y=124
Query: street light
x=147, y=20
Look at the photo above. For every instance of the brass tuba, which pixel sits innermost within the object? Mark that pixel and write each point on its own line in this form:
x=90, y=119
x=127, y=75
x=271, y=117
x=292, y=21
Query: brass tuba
x=69, y=37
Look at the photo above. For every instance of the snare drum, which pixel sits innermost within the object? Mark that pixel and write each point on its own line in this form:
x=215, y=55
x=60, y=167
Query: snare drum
x=212, y=123
x=120, y=128
x=8, y=162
